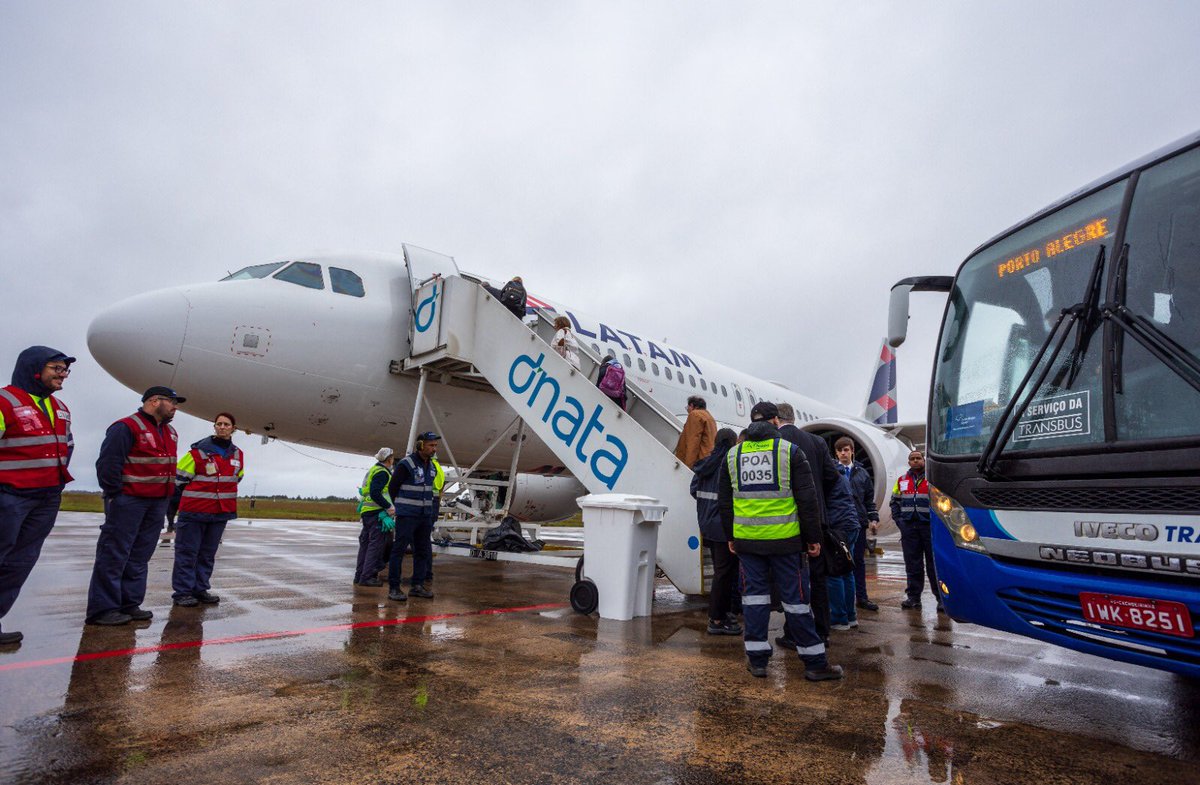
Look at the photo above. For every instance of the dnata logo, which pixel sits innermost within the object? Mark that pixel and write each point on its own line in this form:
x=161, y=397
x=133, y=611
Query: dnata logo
x=567, y=419
x=426, y=309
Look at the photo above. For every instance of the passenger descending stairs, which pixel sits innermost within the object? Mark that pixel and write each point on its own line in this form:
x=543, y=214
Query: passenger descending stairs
x=461, y=330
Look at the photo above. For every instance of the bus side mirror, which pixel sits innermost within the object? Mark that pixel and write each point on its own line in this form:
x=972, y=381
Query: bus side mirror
x=898, y=314
x=898, y=306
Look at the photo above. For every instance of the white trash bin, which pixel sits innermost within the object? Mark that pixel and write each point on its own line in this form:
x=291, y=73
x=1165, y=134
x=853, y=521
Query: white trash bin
x=620, y=546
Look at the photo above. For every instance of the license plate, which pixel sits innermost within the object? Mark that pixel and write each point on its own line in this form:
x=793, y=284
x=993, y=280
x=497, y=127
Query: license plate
x=1137, y=613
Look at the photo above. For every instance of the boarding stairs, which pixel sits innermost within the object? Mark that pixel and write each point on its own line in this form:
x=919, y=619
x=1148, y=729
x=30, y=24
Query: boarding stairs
x=461, y=332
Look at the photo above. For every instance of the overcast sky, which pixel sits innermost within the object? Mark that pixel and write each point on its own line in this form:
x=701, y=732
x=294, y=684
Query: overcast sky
x=745, y=180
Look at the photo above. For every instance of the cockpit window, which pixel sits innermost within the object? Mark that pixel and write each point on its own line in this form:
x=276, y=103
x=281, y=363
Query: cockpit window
x=254, y=271
x=302, y=273
x=345, y=282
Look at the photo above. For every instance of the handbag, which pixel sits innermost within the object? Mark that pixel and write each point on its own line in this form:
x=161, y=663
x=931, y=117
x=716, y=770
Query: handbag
x=839, y=561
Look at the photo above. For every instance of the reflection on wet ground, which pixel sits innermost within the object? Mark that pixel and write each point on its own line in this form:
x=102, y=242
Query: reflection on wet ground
x=462, y=688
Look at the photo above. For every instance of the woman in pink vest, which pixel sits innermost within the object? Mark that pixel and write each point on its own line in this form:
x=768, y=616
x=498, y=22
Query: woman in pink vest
x=209, y=474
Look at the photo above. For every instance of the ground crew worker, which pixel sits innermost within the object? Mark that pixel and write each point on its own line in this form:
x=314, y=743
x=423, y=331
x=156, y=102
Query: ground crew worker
x=910, y=511
x=35, y=449
x=439, y=482
x=209, y=474
x=136, y=470
x=372, y=500
x=411, y=491
x=769, y=510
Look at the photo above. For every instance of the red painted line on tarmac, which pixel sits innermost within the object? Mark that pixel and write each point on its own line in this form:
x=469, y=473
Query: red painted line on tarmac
x=265, y=636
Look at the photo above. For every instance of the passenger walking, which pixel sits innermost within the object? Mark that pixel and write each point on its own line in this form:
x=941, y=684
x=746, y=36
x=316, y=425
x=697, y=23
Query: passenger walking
x=699, y=432
x=208, y=475
x=862, y=488
x=910, y=511
x=842, y=515
x=136, y=471
x=411, y=492
x=35, y=450
x=770, y=513
x=611, y=380
x=564, y=341
x=705, y=486
x=512, y=296
x=373, y=500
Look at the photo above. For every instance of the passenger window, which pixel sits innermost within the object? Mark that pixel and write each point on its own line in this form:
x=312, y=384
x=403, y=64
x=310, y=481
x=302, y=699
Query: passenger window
x=628, y=361
x=724, y=391
x=667, y=368
x=596, y=349
x=703, y=386
x=692, y=380
x=751, y=394
x=304, y=274
x=655, y=367
x=345, y=282
x=641, y=364
x=737, y=393
x=254, y=271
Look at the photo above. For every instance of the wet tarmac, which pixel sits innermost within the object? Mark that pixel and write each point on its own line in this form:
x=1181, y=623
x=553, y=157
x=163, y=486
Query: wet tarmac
x=299, y=677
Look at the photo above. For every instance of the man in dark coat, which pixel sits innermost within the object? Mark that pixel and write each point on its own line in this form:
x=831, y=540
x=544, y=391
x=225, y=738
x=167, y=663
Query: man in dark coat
x=705, y=481
x=832, y=497
x=863, y=490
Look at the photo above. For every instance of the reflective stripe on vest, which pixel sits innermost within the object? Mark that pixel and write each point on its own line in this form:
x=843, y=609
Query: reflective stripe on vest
x=912, y=496
x=34, y=448
x=149, y=469
x=365, y=503
x=216, y=493
x=412, y=498
x=763, y=505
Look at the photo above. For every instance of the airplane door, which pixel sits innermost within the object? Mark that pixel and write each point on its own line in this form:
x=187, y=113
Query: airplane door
x=739, y=399
x=426, y=271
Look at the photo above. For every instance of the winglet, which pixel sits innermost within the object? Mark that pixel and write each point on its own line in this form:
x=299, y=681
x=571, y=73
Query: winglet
x=881, y=406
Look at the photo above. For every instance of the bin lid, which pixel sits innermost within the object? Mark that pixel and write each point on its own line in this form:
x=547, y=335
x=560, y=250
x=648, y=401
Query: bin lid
x=650, y=507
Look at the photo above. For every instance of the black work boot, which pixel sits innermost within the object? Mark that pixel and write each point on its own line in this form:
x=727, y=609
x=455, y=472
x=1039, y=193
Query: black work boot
x=828, y=673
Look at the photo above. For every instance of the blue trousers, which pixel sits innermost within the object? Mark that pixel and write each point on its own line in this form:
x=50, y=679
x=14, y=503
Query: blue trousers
x=916, y=541
x=25, y=522
x=405, y=526
x=841, y=590
x=371, y=542
x=860, y=565
x=128, y=538
x=422, y=545
x=791, y=579
x=196, y=543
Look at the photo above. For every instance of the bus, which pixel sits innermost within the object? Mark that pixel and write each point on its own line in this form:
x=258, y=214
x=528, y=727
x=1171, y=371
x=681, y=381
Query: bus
x=1064, y=420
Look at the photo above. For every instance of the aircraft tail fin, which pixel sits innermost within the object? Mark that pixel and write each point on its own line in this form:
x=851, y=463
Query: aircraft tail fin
x=881, y=407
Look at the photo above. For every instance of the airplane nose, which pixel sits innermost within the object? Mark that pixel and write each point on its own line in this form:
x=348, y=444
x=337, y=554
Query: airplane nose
x=139, y=340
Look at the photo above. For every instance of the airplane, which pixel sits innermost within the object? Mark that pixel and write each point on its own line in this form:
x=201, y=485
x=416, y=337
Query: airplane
x=310, y=350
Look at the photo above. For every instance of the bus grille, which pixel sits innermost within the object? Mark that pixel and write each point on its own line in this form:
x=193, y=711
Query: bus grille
x=1061, y=615
x=1168, y=499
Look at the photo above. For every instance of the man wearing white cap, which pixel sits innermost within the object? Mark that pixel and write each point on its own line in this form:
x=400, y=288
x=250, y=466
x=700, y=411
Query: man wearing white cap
x=372, y=500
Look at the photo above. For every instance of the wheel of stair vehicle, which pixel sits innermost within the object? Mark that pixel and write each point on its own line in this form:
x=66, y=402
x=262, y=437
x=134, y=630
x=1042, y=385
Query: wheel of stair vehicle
x=584, y=597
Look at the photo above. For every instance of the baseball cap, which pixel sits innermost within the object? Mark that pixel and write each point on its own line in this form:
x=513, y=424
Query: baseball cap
x=429, y=436
x=165, y=392
x=764, y=410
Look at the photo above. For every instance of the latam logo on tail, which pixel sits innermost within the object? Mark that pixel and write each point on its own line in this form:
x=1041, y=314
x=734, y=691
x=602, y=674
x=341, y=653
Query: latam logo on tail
x=881, y=401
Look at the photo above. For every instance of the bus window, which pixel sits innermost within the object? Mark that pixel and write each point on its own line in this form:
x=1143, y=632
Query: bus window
x=345, y=282
x=304, y=274
x=1163, y=287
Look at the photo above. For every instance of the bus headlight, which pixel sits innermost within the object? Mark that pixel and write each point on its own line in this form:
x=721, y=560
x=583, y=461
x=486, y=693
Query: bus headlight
x=952, y=514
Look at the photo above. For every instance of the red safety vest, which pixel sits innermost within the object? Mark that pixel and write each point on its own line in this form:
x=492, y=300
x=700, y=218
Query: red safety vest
x=149, y=469
x=213, y=488
x=914, y=496
x=33, y=452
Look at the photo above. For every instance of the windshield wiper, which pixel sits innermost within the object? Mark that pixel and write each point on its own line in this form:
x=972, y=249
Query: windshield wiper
x=1117, y=358
x=1178, y=359
x=1088, y=323
x=1084, y=311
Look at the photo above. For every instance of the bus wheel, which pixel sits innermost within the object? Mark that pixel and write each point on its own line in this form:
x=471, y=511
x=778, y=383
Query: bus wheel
x=584, y=597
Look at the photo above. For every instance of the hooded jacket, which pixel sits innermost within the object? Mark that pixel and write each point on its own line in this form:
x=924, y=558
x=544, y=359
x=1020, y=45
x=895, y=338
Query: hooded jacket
x=26, y=377
x=705, y=490
x=803, y=491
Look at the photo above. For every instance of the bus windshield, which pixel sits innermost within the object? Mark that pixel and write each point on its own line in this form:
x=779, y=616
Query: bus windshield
x=1008, y=296
x=1004, y=304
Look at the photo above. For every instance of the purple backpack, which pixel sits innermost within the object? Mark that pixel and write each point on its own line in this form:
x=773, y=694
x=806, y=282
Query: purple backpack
x=613, y=382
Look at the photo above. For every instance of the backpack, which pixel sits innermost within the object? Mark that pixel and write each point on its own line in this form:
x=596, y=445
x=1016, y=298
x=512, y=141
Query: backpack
x=512, y=297
x=612, y=383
